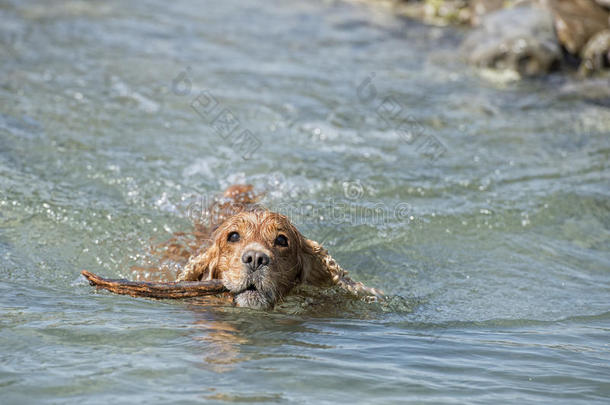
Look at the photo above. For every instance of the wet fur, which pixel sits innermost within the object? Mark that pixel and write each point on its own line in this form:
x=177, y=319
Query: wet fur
x=303, y=261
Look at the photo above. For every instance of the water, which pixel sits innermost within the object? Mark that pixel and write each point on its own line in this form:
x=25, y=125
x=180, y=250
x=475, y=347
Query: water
x=495, y=253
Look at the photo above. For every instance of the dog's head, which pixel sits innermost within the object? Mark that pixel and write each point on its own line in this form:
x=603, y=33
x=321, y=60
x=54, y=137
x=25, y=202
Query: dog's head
x=260, y=256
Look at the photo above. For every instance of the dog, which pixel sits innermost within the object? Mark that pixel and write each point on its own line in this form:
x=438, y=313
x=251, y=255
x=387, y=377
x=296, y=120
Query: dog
x=260, y=257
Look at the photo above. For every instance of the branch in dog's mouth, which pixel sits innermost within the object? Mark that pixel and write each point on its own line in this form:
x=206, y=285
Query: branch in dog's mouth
x=183, y=289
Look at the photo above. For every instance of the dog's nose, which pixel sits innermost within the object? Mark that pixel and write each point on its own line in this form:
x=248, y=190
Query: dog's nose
x=255, y=259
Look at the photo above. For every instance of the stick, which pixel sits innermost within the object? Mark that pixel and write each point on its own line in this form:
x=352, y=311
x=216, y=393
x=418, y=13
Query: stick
x=183, y=289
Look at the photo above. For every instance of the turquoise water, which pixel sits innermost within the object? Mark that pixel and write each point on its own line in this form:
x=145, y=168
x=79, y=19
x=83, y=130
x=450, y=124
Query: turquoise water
x=494, y=246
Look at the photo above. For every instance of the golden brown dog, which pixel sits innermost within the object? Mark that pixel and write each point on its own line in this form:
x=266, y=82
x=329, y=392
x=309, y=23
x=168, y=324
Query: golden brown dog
x=260, y=257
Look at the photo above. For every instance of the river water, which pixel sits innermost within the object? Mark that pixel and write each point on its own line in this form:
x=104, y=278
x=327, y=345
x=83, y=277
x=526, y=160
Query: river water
x=479, y=205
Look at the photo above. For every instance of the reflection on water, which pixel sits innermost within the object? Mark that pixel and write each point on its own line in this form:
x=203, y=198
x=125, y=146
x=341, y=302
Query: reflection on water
x=494, y=252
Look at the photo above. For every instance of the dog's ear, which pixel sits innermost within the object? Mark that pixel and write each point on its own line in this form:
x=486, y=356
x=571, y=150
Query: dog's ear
x=315, y=270
x=321, y=270
x=202, y=267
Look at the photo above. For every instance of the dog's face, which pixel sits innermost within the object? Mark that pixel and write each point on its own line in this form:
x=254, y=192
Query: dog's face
x=258, y=256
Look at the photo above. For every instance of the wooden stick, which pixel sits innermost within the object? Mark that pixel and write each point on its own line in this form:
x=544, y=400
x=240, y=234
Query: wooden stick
x=183, y=289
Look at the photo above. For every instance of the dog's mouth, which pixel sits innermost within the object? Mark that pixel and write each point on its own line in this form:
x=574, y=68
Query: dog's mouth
x=250, y=286
x=253, y=297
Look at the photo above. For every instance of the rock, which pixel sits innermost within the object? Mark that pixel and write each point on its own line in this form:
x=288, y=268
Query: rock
x=521, y=39
x=480, y=8
x=576, y=21
x=448, y=11
x=436, y=12
x=603, y=3
x=596, y=54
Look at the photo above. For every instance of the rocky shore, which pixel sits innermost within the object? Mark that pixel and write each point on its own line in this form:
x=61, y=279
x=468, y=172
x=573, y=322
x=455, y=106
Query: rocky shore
x=529, y=37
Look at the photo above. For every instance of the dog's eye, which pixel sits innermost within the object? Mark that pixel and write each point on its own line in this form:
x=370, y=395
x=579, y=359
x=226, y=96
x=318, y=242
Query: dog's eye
x=233, y=237
x=281, y=240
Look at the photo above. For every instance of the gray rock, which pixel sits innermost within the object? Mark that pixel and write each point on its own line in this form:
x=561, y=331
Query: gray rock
x=480, y=8
x=520, y=39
